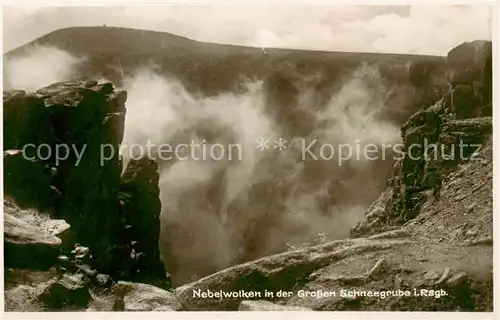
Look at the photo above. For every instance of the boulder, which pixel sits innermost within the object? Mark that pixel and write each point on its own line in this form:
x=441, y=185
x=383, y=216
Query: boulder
x=80, y=255
x=281, y=272
x=68, y=291
x=419, y=180
x=103, y=280
x=131, y=296
x=463, y=211
x=26, y=243
x=87, y=271
x=23, y=298
x=58, y=228
x=61, y=229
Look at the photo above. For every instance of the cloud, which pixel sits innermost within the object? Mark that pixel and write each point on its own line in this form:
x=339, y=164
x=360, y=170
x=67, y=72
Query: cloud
x=39, y=67
x=419, y=29
x=217, y=213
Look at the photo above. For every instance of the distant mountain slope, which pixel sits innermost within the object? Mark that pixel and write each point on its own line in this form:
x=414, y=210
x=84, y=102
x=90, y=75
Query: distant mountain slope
x=202, y=67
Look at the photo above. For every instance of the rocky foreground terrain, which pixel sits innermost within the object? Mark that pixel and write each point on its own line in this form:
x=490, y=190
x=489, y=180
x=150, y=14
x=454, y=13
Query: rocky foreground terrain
x=75, y=237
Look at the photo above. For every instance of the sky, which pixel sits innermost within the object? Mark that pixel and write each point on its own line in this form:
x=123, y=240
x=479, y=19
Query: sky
x=422, y=29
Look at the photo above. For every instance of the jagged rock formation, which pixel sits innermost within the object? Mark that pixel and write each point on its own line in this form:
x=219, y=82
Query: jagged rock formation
x=74, y=116
x=62, y=159
x=438, y=139
x=140, y=208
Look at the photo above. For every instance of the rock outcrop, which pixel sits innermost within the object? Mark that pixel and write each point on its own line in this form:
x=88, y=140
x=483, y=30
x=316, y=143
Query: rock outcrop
x=69, y=291
x=74, y=292
x=471, y=62
x=27, y=243
x=62, y=158
x=28, y=181
x=143, y=297
x=429, y=78
x=74, y=120
x=140, y=207
x=438, y=140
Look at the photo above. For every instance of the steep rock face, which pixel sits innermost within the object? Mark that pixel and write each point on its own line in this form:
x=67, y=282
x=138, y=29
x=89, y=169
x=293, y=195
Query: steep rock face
x=62, y=158
x=140, y=208
x=437, y=139
x=25, y=108
x=470, y=71
x=86, y=118
x=75, y=120
x=28, y=181
x=26, y=178
x=469, y=62
x=429, y=78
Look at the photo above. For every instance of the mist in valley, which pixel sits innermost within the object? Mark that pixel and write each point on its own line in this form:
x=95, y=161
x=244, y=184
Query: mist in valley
x=217, y=213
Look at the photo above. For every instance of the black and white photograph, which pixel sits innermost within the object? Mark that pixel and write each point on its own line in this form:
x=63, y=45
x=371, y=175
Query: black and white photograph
x=248, y=156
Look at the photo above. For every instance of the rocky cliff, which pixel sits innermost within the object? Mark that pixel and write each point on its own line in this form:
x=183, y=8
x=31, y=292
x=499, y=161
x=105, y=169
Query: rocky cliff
x=62, y=163
x=140, y=206
x=439, y=139
x=425, y=244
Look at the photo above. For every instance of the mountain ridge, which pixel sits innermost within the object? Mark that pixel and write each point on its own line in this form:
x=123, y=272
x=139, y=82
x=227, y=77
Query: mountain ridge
x=84, y=29
x=202, y=67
